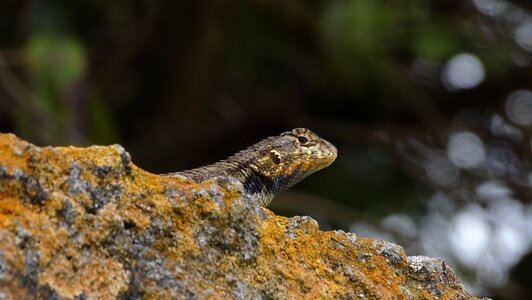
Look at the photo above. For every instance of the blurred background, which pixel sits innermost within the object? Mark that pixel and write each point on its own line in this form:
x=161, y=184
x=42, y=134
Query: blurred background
x=428, y=101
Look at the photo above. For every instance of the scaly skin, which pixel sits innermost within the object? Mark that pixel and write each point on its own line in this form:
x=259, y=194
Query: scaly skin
x=271, y=165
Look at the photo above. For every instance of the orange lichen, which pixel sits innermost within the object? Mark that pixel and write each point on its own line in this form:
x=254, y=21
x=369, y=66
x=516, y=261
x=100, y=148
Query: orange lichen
x=9, y=208
x=12, y=152
x=71, y=274
x=136, y=217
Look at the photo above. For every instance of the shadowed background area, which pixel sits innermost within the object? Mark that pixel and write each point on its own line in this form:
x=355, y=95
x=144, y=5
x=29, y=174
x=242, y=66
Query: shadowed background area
x=429, y=103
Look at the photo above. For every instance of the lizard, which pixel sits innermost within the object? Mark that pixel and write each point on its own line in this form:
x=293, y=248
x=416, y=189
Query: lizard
x=272, y=165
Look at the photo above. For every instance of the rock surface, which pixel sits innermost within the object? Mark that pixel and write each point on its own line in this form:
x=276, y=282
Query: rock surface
x=85, y=223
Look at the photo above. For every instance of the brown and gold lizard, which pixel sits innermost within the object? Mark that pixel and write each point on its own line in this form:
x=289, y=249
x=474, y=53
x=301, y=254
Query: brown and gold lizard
x=271, y=165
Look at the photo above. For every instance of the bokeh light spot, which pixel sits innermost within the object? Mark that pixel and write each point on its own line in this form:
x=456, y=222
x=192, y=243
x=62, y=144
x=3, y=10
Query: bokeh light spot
x=493, y=190
x=466, y=150
x=523, y=35
x=502, y=161
x=500, y=128
x=519, y=107
x=441, y=171
x=470, y=236
x=400, y=223
x=463, y=71
x=490, y=7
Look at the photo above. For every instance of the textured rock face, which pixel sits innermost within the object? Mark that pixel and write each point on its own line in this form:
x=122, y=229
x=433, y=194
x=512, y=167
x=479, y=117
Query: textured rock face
x=87, y=223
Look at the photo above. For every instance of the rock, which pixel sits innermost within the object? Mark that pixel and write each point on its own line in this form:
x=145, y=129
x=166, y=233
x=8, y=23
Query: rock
x=86, y=223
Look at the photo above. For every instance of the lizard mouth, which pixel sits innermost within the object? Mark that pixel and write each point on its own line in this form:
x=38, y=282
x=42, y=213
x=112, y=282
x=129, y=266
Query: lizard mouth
x=327, y=157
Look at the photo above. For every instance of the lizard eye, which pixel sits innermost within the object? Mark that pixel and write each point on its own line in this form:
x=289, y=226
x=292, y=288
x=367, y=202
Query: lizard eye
x=302, y=140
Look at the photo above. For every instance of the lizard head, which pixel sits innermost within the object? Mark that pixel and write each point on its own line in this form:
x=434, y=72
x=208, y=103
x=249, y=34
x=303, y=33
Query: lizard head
x=291, y=156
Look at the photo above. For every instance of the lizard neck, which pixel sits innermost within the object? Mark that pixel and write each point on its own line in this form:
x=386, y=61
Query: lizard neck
x=255, y=184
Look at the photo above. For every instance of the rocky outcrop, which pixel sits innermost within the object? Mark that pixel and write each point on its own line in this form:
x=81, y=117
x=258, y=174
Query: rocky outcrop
x=86, y=223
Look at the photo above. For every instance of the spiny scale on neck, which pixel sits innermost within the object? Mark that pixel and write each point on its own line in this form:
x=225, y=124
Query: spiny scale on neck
x=271, y=165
